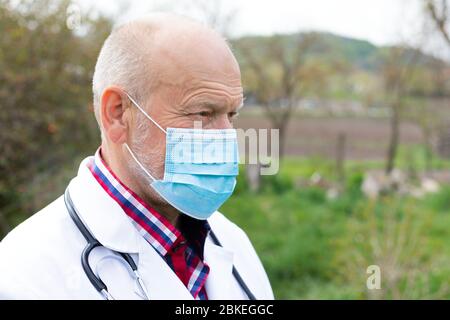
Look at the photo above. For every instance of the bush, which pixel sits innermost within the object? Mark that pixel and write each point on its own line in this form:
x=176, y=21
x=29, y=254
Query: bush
x=439, y=201
x=241, y=182
x=354, y=183
x=276, y=184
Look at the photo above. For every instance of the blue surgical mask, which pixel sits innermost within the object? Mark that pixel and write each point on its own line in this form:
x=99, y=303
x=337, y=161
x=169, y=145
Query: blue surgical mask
x=200, y=168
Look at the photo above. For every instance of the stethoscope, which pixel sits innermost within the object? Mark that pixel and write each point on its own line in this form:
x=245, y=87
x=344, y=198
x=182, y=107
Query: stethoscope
x=92, y=243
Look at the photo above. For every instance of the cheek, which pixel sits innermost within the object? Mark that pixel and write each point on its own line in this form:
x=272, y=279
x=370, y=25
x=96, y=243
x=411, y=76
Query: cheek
x=150, y=144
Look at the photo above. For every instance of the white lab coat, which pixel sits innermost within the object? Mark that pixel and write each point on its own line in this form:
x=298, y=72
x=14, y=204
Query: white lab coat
x=41, y=258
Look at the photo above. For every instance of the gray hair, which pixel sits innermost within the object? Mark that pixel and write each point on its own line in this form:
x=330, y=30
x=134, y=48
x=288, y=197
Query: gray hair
x=125, y=60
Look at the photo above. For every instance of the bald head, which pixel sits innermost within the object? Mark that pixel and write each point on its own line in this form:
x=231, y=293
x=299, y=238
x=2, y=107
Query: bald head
x=162, y=50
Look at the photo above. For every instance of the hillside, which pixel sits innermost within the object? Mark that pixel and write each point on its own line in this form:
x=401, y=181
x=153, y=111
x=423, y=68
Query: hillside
x=361, y=54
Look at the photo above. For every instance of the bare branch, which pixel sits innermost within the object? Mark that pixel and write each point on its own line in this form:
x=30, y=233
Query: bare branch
x=440, y=15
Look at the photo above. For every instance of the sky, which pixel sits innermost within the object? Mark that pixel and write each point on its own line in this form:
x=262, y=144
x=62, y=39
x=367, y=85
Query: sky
x=381, y=22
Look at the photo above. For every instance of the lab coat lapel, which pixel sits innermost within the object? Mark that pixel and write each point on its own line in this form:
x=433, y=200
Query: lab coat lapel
x=220, y=279
x=160, y=280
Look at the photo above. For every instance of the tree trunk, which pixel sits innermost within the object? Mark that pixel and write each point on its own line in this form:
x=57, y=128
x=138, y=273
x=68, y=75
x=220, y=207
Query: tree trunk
x=253, y=175
x=394, y=137
x=428, y=145
x=340, y=159
x=428, y=156
x=282, y=131
x=282, y=126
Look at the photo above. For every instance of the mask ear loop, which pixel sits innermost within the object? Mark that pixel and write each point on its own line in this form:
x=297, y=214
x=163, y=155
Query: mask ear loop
x=138, y=162
x=145, y=113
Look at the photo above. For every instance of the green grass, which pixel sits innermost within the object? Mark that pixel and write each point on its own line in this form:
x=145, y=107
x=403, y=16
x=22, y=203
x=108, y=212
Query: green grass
x=314, y=247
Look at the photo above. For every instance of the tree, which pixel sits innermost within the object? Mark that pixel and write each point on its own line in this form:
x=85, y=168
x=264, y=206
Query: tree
x=398, y=67
x=45, y=96
x=430, y=87
x=276, y=71
x=439, y=12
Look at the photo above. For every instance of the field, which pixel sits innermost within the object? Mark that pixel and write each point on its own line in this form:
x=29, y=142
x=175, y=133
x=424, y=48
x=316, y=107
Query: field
x=317, y=136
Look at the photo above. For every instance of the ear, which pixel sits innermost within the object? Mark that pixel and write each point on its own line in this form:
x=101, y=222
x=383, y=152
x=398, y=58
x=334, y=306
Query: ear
x=113, y=115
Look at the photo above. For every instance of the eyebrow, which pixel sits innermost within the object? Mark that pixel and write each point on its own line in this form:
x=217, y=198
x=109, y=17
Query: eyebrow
x=212, y=105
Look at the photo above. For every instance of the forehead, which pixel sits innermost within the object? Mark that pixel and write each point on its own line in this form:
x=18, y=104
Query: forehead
x=197, y=69
x=204, y=85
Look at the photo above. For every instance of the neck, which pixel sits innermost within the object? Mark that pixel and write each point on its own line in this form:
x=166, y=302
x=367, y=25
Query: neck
x=143, y=191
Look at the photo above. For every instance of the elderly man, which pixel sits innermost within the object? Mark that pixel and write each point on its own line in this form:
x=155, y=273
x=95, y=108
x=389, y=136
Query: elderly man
x=140, y=220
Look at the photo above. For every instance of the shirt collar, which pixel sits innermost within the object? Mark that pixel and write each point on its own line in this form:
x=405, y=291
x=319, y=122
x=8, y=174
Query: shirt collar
x=154, y=227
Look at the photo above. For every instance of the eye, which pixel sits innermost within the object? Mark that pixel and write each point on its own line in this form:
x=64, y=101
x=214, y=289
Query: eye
x=232, y=114
x=204, y=113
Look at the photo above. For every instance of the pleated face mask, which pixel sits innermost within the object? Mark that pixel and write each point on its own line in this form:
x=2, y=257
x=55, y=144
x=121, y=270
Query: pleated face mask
x=200, y=168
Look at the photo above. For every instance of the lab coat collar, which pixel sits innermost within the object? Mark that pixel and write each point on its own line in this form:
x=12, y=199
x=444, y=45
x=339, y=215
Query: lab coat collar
x=102, y=215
